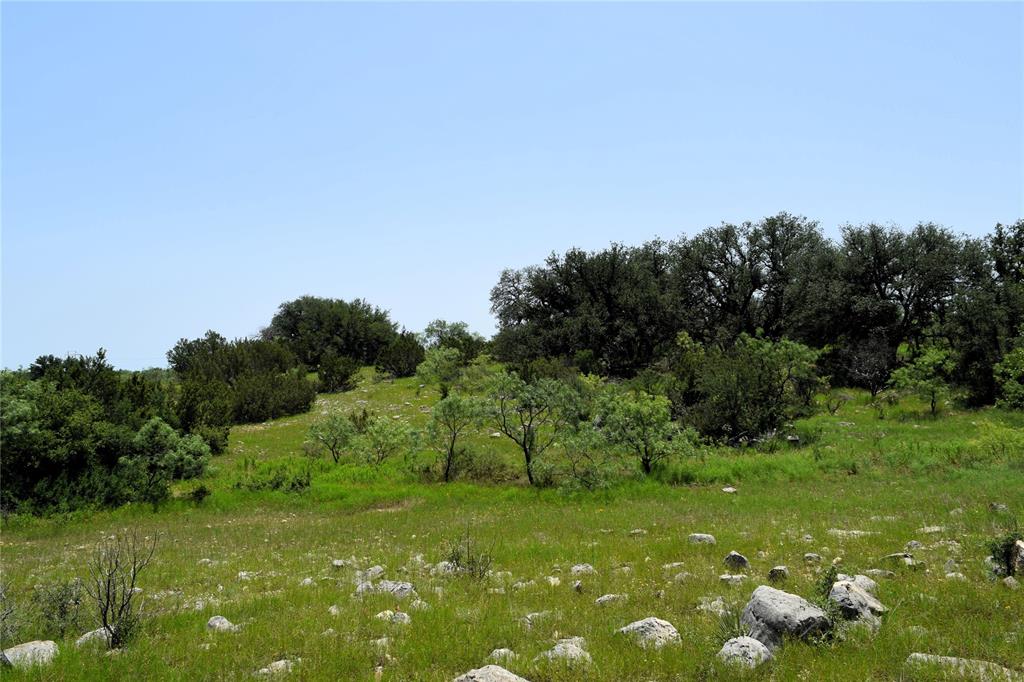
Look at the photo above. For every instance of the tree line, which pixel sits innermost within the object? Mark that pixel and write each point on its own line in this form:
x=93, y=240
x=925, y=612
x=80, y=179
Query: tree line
x=725, y=336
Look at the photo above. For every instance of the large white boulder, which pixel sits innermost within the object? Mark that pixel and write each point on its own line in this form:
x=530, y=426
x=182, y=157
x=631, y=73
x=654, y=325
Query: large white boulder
x=772, y=614
x=744, y=651
x=39, y=652
x=652, y=632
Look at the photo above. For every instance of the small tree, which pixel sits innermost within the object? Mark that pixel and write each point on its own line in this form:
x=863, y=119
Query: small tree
x=152, y=461
x=115, y=572
x=531, y=415
x=383, y=439
x=1009, y=375
x=441, y=366
x=336, y=372
x=588, y=462
x=448, y=420
x=641, y=423
x=402, y=356
x=926, y=376
x=332, y=432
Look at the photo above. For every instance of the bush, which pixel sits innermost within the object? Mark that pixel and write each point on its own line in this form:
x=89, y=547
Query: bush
x=1009, y=374
x=332, y=433
x=1002, y=550
x=59, y=605
x=383, y=439
x=448, y=421
x=283, y=475
x=926, y=376
x=199, y=493
x=402, y=356
x=116, y=567
x=216, y=437
x=467, y=558
x=337, y=372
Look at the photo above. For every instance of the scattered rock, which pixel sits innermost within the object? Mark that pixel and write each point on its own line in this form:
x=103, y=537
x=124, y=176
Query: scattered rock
x=652, y=632
x=247, y=575
x=503, y=655
x=38, y=652
x=681, y=576
x=419, y=605
x=840, y=533
x=582, y=569
x=395, y=617
x=334, y=610
x=902, y=559
x=97, y=636
x=701, y=539
x=578, y=586
x=879, y=573
x=1011, y=582
x=713, y=605
x=306, y=582
x=606, y=599
x=554, y=581
x=956, y=575
x=736, y=561
x=964, y=667
x=998, y=508
x=399, y=590
x=778, y=574
x=370, y=574
x=929, y=530
x=854, y=601
x=531, y=619
x=490, y=673
x=772, y=614
x=912, y=545
x=569, y=649
x=221, y=624
x=812, y=558
x=281, y=667
x=729, y=490
x=339, y=563
x=636, y=532
x=744, y=651
x=1017, y=557
x=730, y=579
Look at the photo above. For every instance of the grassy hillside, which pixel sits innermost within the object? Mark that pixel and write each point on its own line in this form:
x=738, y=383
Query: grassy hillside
x=852, y=471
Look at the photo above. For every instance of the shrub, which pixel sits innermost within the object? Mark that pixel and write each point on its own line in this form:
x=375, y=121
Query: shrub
x=642, y=425
x=199, y=493
x=441, y=366
x=1009, y=375
x=283, y=475
x=336, y=372
x=59, y=605
x=587, y=462
x=449, y=419
x=332, y=432
x=927, y=376
x=1002, y=550
x=115, y=571
x=467, y=558
x=402, y=356
x=216, y=437
x=383, y=439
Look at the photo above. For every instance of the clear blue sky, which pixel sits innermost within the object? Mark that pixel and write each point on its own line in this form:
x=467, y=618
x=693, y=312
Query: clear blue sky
x=172, y=168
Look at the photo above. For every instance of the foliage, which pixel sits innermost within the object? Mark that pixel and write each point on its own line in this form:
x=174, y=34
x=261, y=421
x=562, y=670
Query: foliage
x=116, y=566
x=441, y=366
x=443, y=334
x=383, y=439
x=59, y=604
x=199, y=494
x=641, y=424
x=1009, y=375
x=926, y=376
x=336, y=372
x=1002, y=549
x=588, y=463
x=751, y=388
x=532, y=415
x=158, y=456
x=332, y=432
x=449, y=419
x=282, y=475
x=401, y=356
x=310, y=327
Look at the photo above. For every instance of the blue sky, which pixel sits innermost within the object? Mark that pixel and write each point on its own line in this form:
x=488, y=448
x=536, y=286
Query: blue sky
x=170, y=168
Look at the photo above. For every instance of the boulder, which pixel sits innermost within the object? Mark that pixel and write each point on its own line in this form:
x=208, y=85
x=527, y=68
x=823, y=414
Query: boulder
x=606, y=599
x=282, y=667
x=713, y=605
x=736, y=561
x=569, y=649
x=582, y=569
x=396, y=617
x=778, y=574
x=701, y=539
x=744, y=651
x=861, y=581
x=1011, y=583
x=854, y=601
x=652, y=632
x=97, y=636
x=772, y=614
x=503, y=655
x=221, y=624
x=812, y=558
x=38, y=652
x=370, y=574
x=964, y=668
x=730, y=579
x=490, y=673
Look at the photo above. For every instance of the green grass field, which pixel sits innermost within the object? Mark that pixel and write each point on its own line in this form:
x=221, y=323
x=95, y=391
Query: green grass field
x=853, y=471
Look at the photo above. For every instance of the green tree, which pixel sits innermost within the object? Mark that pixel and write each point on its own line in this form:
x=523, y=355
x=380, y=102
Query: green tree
x=532, y=415
x=444, y=334
x=449, y=419
x=641, y=424
x=1009, y=374
x=332, y=432
x=336, y=372
x=383, y=439
x=151, y=463
x=441, y=366
x=927, y=376
x=402, y=356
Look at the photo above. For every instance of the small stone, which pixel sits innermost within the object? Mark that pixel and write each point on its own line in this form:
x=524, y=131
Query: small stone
x=744, y=651
x=306, y=582
x=956, y=575
x=715, y=606
x=569, y=649
x=778, y=574
x=490, y=673
x=812, y=558
x=582, y=569
x=736, y=561
x=636, y=532
x=729, y=490
x=578, y=586
x=502, y=655
x=281, y=667
x=929, y=530
x=652, y=632
x=730, y=579
x=554, y=581
x=606, y=599
x=1011, y=582
x=963, y=667
x=221, y=624
x=97, y=636
x=334, y=610
x=701, y=539
x=998, y=508
x=912, y=545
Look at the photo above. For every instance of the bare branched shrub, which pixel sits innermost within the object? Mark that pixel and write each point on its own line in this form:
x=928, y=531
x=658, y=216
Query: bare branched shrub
x=467, y=558
x=115, y=571
x=60, y=605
